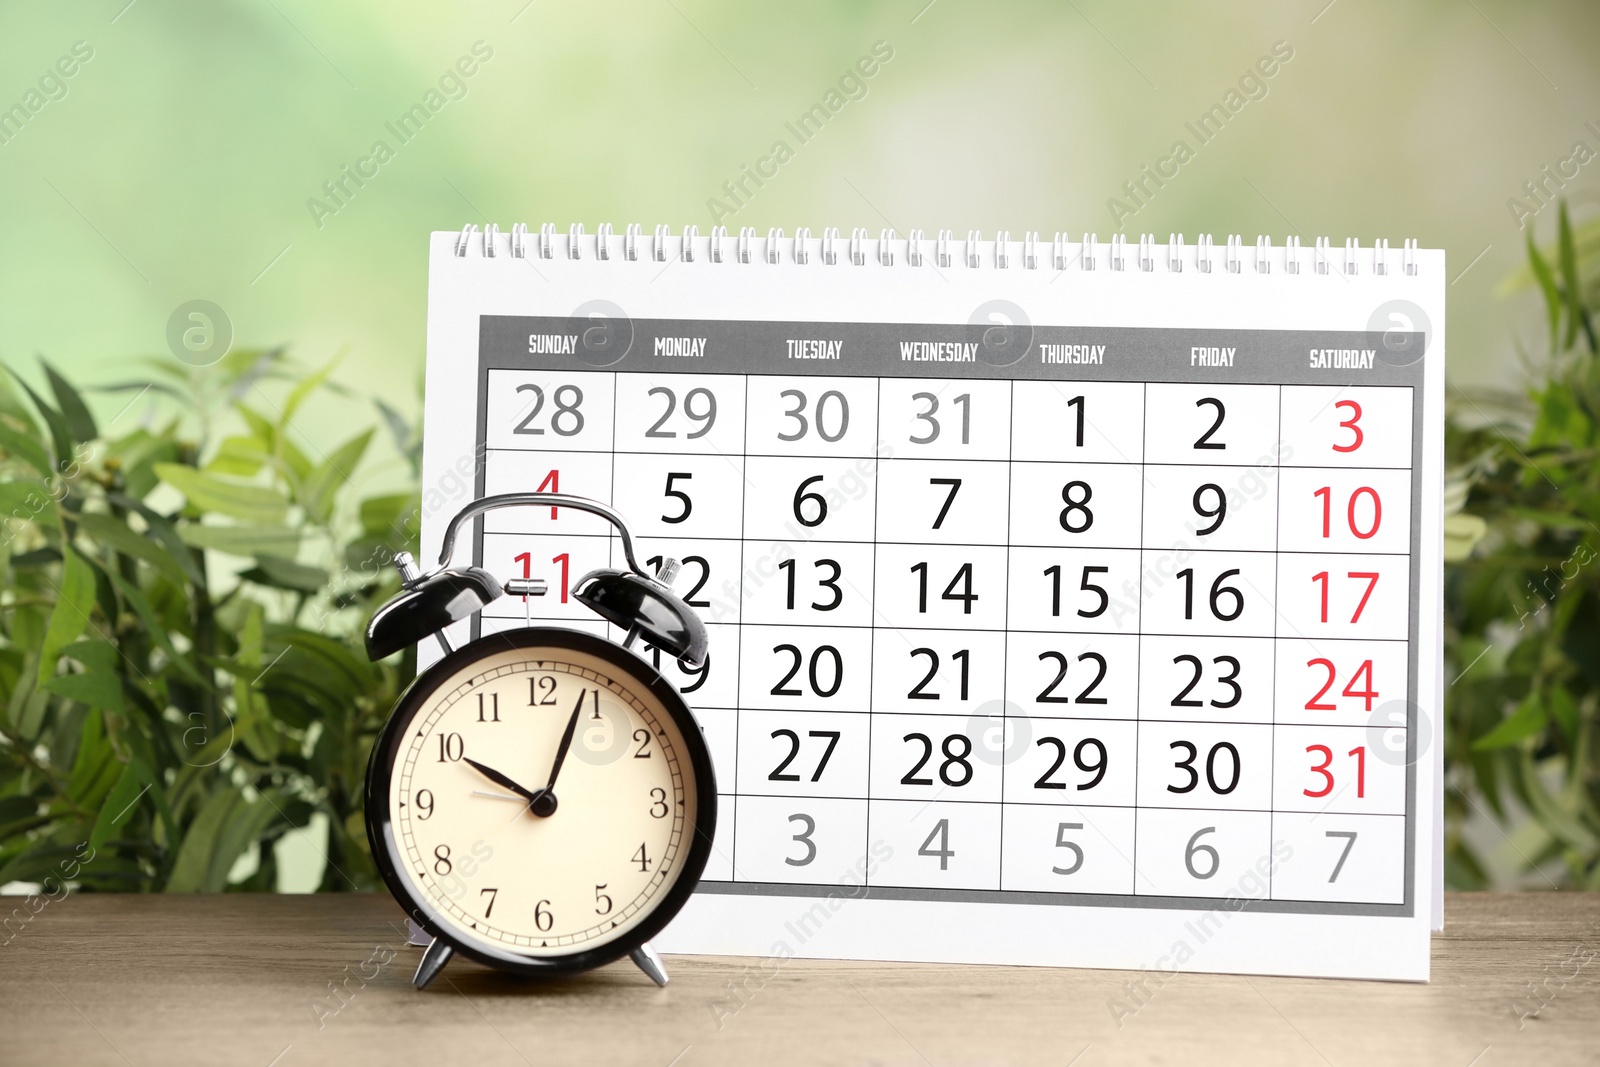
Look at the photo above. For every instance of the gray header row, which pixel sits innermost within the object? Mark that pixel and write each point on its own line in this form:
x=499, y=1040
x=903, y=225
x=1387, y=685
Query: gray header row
x=608, y=340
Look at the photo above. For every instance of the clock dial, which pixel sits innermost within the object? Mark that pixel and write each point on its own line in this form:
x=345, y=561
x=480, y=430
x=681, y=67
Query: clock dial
x=512, y=860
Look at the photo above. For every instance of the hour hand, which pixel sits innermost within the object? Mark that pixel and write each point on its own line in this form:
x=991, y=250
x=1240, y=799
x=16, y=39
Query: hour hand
x=531, y=795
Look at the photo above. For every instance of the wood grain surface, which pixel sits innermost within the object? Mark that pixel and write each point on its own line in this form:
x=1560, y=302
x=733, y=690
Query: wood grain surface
x=237, y=979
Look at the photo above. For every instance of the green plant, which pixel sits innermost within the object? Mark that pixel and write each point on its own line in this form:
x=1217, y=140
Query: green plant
x=181, y=675
x=1523, y=603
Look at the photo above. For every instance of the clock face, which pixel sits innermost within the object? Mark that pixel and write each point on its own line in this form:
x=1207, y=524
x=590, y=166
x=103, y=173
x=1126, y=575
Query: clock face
x=513, y=863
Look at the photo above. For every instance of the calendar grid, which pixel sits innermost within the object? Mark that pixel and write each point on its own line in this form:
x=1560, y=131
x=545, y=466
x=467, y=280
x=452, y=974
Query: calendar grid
x=1139, y=639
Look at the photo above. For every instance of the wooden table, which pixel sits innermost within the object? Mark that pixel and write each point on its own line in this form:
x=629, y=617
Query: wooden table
x=239, y=979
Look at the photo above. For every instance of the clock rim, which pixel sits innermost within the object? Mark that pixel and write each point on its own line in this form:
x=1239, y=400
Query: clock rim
x=379, y=819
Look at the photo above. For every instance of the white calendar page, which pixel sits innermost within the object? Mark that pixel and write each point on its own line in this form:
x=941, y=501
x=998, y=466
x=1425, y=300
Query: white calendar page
x=1067, y=606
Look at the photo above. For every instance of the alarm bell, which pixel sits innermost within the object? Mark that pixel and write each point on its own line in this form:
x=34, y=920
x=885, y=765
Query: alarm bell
x=642, y=604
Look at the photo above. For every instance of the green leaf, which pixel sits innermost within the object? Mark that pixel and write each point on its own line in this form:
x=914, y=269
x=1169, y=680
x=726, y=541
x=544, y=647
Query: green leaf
x=381, y=515
x=73, y=410
x=241, y=456
x=243, y=541
x=152, y=623
x=1528, y=719
x=163, y=531
x=322, y=485
x=249, y=503
x=60, y=435
x=25, y=448
x=195, y=869
x=26, y=502
x=308, y=385
x=118, y=805
x=114, y=533
x=280, y=573
x=1564, y=711
x=1569, y=275
x=1547, y=285
x=95, y=767
x=97, y=689
x=74, y=601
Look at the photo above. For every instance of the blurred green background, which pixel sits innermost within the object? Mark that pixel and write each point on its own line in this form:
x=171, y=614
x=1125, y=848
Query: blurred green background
x=180, y=161
x=185, y=158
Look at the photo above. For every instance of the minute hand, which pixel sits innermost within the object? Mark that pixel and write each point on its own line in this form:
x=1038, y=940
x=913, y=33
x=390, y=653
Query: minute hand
x=566, y=743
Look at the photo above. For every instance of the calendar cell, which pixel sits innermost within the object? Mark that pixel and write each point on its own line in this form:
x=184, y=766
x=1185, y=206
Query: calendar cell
x=1203, y=854
x=1346, y=426
x=1355, y=858
x=804, y=668
x=931, y=757
x=1083, y=590
x=812, y=417
x=709, y=579
x=813, y=841
x=810, y=499
x=1226, y=594
x=1338, y=683
x=1076, y=505
x=811, y=583
x=720, y=726
x=1088, y=676
x=713, y=684
x=680, y=496
x=564, y=411
x=804, y=754
x=559, y=559
x=1078, y=422
x=1187, y=507
x=1211, y=423
x=938, y=845
x=948, y=502
x=1333, y=769
x=957, y=419
x=1066, y=849
x=1073, y=761
x=945, y=672
x=1206, y=679
x=578, y=473
x=687, y=413
x=1356, y=510
x=1205, y=765
x=1343, y=596
x=955, y=587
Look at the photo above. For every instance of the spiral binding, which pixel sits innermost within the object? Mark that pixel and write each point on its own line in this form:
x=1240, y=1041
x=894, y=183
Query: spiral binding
x=1085, y=254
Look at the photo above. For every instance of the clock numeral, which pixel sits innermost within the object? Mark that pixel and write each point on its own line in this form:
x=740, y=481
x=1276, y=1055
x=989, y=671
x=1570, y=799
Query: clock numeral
x=642, y=858
x=941, y=830
x=544, y=920
x=541, y=690
x=493, y=708
x=602, y=902
x=642, y=737
x=451, y=748
x=493, y=893
x=658, y=807
x=424, y=802
x=441, y=860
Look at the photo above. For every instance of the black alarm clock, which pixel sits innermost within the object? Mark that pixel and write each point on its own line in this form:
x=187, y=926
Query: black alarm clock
x=500, y=837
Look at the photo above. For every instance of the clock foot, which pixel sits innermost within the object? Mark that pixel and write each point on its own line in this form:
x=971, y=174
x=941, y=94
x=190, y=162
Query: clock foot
x=416, y=935
x=433, y=961
x=645, y=958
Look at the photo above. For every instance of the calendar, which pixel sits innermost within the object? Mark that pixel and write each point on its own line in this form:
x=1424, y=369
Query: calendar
x=1070, y=603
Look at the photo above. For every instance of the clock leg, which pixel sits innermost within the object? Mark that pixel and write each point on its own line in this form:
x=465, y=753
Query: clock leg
x=433, y=961
x=646, y=959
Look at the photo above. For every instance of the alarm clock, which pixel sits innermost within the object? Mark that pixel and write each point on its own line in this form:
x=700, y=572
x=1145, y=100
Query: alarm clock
x=501, y=837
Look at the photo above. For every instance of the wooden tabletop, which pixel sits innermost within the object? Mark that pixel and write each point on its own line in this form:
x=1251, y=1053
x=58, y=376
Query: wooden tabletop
x=235, y=979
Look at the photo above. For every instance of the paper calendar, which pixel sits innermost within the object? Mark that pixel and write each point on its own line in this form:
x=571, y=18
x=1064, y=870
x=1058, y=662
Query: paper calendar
x=1070, y=603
